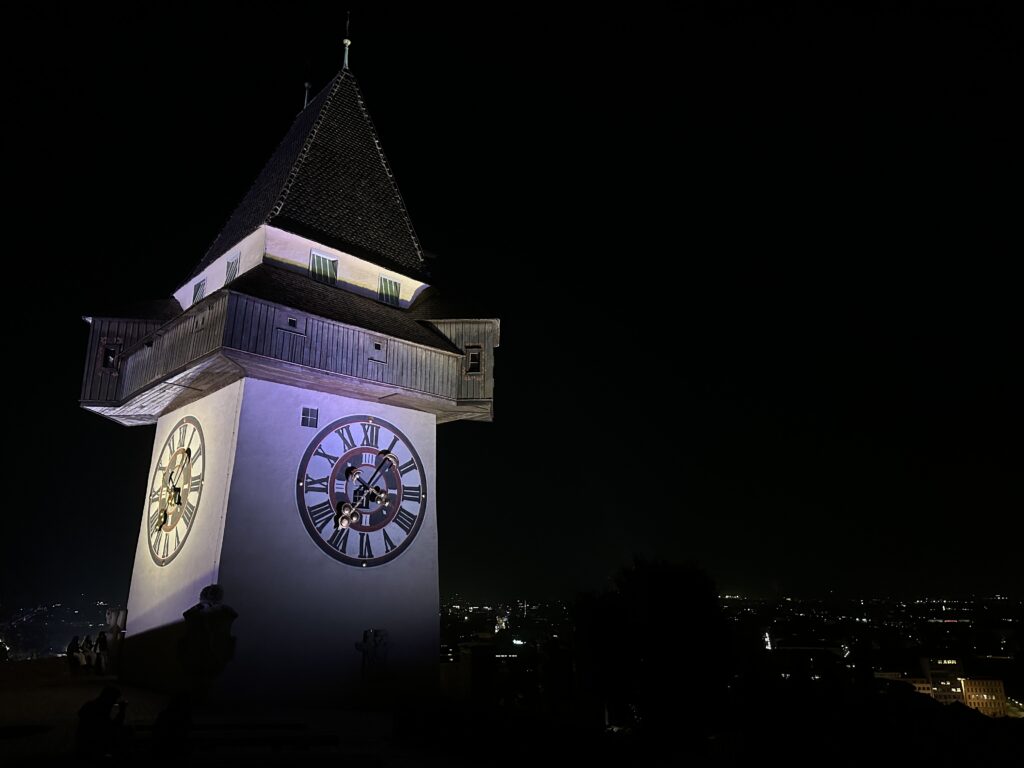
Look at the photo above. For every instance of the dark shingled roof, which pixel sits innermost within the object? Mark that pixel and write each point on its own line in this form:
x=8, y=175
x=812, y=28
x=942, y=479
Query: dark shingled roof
x=329, y=181
x=298, y=290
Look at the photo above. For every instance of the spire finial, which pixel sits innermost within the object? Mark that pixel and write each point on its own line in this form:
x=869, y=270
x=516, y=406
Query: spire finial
x=346, y=41
x=305, y=102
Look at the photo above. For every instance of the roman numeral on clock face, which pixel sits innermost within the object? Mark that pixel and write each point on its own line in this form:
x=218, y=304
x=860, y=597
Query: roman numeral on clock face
x=318, y=485
x=345, y=433
x=182, y=432
x=364, y=546
x=321, y=514
x=339, y=539
x=325, y=455
x=388, y=543
x=409, y=466
x=196, y=484
x=371, y=435
x=411, y=493
x=189, y=514
x=405, y=520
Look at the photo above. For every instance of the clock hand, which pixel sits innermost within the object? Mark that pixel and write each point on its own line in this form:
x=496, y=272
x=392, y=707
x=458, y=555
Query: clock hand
x=181, y=467
x=378, y=494
x=173, y=490
x=387, y=458
x=353, y=473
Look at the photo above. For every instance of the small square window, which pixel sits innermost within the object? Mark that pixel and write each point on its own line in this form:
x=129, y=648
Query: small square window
x=310, y=417
x=323, y=269
x=110, y=353
x=232, y=271
x=199, y=290
x=293, y=323
x=474, y=362
x=389, y=290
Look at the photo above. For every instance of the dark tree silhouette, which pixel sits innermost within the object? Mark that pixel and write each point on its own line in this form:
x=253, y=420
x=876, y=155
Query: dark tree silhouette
x=653, y=652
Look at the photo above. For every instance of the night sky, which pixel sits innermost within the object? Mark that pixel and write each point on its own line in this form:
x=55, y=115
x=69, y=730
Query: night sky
x=756, y=271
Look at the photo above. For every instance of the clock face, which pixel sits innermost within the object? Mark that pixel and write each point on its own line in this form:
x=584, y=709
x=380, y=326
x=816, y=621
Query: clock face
x=362, y=491
x=175, y=490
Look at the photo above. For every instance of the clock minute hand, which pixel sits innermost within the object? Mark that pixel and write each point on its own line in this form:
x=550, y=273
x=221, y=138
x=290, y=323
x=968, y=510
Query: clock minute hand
x=388, y=458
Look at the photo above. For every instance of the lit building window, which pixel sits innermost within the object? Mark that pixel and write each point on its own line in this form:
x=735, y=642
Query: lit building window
x=388, y=290
x=323, y=269
x=310, y=417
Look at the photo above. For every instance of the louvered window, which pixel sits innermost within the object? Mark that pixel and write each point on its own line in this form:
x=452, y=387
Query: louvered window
x=388, y=290
x=232, y=270
x=323, y=269
x=199, y=290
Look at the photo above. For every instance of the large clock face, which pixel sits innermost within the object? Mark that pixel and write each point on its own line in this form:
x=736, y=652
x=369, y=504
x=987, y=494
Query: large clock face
x=176, y=490
x=362, y=491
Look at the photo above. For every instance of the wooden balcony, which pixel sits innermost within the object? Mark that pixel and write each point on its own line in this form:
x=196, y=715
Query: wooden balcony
x=231, y=335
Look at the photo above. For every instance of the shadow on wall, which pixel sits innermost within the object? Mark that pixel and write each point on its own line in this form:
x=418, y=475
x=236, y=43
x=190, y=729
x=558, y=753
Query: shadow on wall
x=186, y=656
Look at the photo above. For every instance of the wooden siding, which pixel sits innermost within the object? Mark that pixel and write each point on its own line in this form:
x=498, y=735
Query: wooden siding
x=481, y=333
x=101, y=384
x=229, y=335
x=189, y=337
x=260, y=327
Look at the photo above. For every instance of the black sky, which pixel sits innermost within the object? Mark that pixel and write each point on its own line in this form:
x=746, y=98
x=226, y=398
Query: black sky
x=757, y=276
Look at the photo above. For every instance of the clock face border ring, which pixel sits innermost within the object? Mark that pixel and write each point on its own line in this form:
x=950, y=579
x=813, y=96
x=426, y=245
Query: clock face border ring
x=300, y=500
x=202, y=442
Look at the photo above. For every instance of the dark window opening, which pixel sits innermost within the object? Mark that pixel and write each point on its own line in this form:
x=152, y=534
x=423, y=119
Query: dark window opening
x=473, y=359
x=310, y=416
x=293, y=323
x=110, y=354
x=377, y=346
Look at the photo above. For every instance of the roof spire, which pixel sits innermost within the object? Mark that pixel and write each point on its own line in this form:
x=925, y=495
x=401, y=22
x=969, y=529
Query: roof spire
x=346, y=41
x=305, y=102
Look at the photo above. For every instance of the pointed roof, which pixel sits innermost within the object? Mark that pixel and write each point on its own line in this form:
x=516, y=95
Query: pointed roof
x=329, y=181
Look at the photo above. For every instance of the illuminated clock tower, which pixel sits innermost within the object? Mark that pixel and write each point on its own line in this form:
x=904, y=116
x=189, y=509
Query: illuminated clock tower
x=296, y=381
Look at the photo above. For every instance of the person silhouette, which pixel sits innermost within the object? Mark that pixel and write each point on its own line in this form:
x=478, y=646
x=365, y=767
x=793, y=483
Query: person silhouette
x=100, y=728
x=208, y=644
x=75, y=657
x=102, y=657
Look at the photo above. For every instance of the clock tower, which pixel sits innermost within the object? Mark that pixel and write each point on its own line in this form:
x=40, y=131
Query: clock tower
x=296, y=380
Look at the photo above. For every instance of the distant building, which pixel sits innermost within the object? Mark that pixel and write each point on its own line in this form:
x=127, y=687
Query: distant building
x=944, y=676
x=944, y=681
x=986, y=696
